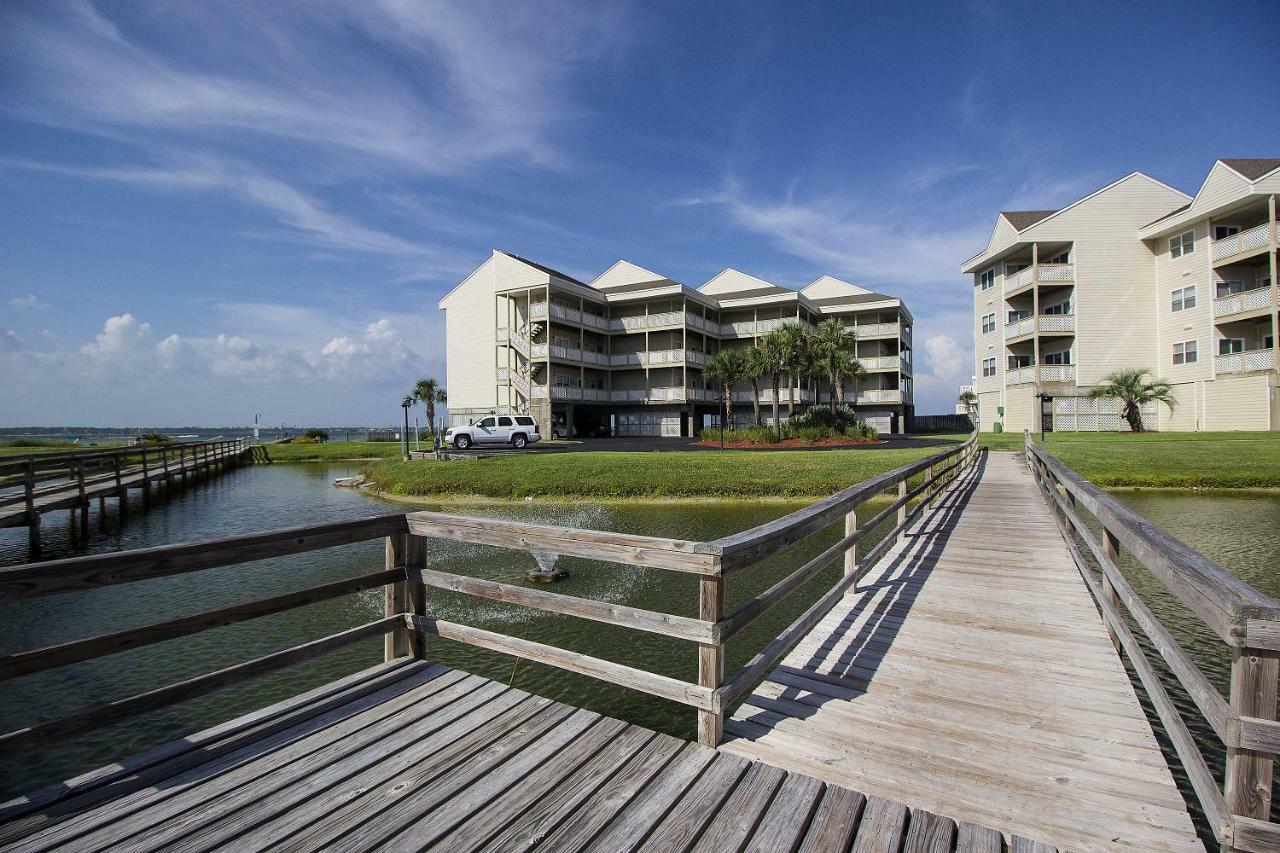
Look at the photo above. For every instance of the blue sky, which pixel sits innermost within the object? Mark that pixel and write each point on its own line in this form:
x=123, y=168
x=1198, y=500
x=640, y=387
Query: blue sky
x=209, y=210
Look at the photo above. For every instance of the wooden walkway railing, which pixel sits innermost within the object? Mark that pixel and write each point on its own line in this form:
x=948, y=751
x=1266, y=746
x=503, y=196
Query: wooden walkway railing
x=1247, y=621
x=406, y=579
x=37, y=483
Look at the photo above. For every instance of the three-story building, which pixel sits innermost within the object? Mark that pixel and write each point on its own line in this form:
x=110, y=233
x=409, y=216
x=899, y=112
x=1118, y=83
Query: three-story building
x=1134, y=275
x=624, y=354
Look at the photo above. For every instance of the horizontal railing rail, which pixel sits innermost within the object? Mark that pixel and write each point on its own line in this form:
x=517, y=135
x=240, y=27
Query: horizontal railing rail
x=406, y=579
x=1246, y=620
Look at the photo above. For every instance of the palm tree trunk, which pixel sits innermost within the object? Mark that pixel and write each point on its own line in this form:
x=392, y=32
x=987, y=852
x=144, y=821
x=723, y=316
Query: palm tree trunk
x=840, y=389
x=755, y=400
x=777, y=424
x=791, y=394
x=431, y=417
x=728, y=408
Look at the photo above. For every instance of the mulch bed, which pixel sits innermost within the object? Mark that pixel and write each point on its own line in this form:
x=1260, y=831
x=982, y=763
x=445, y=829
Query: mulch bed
x=794, y=443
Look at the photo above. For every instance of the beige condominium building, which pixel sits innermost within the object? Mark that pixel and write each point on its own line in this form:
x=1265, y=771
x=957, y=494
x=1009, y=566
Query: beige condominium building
x=624, y=354
x=1134, y=275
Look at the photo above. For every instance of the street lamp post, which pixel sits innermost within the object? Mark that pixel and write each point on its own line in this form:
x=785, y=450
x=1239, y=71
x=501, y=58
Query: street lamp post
x=405, y=404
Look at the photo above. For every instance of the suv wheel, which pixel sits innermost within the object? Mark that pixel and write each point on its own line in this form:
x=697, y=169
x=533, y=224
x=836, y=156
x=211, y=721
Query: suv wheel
x=462, y=442
x=518, y=441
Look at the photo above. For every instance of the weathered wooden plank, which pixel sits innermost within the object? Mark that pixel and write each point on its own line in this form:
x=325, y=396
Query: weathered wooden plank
x=671, y=554
x=1255, y=836
x=55, y=576
x=710, y=659
x=695, y=807
x=547, y=813
x=647, y=682
x=1018, y=844
x=666, y=624
x=743, y=811
x=642, y=813
x=174, y=800
x=82, y=792
x=514, y=801
x=784, y=825
x=417, y=825
x=881, y=828
x=971, y=838
x=192, y=687
x=929, y=833
x=36, y=660
x=835, y=821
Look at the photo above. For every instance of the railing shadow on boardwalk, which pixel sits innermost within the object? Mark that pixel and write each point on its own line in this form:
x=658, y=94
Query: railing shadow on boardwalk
x=904, y=575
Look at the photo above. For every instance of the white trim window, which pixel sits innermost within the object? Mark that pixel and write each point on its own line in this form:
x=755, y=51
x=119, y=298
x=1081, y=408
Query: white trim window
x=1229, y=346
x=988, y=367
x=1230, y=288
x=987, y=279
x=1183, y=298
x=1182, y=244
x=1186, y=352
x=988, y=324
x=1063, y=357
x=1063, y=308
x=1222, y=232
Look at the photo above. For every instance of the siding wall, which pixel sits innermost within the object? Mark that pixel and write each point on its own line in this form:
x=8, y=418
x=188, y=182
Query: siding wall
x=1239, y=402
x=1191, y=270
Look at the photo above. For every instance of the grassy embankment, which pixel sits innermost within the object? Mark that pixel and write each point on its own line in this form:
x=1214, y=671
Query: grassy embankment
x=1176, y=460
x=597, y=475
x=335, y=451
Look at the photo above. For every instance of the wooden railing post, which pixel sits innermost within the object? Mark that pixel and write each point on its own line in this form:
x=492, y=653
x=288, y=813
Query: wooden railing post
x=33, y=515
x=851, y=554
x=416, y=591
x=1254, y=674
x=1111, y=547
x=902, y=510
x=397, y=598
x=710, y=657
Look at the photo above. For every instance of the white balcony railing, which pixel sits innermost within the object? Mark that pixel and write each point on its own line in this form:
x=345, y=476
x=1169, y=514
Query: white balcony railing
x=1018, y=328
x=1019, y=375
x=537, y=351
x=877, y=330
x=503, y=374
x=1015, y=280
x=502, y=335
x=1249, y=300
x=878, y=395
x=1244, y=362
x=538, y=311
x=1057, y=372
x=882, y=362
x=1055, y=272
x=1057, y=323
x=1258, y=237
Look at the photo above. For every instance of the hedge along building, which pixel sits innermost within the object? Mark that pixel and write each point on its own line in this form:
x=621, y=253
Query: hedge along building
x=1134, y=275
x=625, y=353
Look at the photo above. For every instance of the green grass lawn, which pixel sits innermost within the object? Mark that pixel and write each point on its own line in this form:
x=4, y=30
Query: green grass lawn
x=609, y=475
x=1217, y=460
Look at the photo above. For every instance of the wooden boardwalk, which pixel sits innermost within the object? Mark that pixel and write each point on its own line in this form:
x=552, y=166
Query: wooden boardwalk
x=412, y=755
x=970, y=675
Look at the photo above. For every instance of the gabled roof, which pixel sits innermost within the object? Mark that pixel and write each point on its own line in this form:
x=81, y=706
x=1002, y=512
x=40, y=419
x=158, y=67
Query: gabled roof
x=538, y=266
x=736, y=284
x=1174, y=212
x=624, y=276
x=1251, y=168
x=829, y=290
x=1021, y=219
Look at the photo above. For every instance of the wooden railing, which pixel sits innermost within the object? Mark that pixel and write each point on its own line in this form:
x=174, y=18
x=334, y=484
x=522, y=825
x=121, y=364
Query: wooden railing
x=1246, y=621
x=406, y=578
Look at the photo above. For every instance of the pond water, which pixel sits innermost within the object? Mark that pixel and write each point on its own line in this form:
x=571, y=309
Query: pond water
x=1235, y=529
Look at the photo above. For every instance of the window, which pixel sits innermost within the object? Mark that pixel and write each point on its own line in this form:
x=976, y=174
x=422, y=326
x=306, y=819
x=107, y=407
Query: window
x=1063, y=357
x=988, y=323
x=987, y=279
x=1183, y=297
x=1061, y=308
x=1228, y=288
x=562, y=380
x=504, y=422
x=487, y=423
x=1063, y=258
x=1226, y=346
x=1268, y=342
x=524, y=420
x=1183, y=244
x=1222, y=232
x=988, y=367
x=1015, y=316
x=1185, y=353
x=1016, y=361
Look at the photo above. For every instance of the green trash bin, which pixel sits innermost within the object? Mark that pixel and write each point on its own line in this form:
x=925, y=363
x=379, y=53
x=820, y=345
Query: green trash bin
x=997, y=427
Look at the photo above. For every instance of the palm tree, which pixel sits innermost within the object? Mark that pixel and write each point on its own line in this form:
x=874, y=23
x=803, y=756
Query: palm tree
x=832, y=346
x=849, y=368
x=428, y=392
x=1132, y=389
x=728, y=367
x=773, y=358
x=968, y=399
x=793, y=343
x=756, y=370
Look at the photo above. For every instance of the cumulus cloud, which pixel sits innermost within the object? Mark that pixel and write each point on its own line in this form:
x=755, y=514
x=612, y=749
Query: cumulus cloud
x=29, y=302
x=9, y=341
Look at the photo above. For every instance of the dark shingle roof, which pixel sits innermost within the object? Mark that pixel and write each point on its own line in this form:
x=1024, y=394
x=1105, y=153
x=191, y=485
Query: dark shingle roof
x=854, y=299
x=547, y=270
x=1021, y=219
x=749, y=294
x=1253, y=167
x=638, y=285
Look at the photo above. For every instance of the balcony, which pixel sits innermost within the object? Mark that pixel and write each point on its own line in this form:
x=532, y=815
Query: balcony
x=1047, y=373
x=1238, y=303
x=1047, y=273
x=1246, y=242
x=877, y=395
x=882, y=362
x=1050, y=323
x=798, y=396
x=1248, y=361
x=878, y=330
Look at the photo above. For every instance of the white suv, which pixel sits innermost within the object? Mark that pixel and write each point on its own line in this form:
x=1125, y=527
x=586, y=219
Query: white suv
x=517, y=430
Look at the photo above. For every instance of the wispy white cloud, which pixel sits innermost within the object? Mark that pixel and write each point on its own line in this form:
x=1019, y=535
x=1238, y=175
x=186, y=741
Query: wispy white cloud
x=28, y=302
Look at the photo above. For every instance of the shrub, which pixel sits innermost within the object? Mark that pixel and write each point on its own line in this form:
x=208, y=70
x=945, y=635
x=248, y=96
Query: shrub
x=306, y=439
x=154, y=438
x=810, y=433
x=39, y=442
x=753, y=435
x=318, y=434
